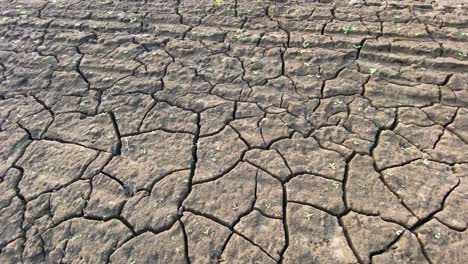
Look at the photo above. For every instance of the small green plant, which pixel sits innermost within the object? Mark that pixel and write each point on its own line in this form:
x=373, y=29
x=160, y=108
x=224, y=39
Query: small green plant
x=109, y=135
x=464, y=34
x=238, y=33
x=357, y=46
x=347, y=29
x=462, y=55
x=405, y=149
x=437, y=235
x=372, y=71
x=132, y=262
x=218, y=2
x=396, y=17
x=336, y=184
x=308, y=215
x=305, y=44
x=173, y=238
x=206, y=232
x=337, y=102
x=332, y=166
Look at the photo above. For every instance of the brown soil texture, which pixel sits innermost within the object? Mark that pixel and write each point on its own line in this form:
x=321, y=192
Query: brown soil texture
x=235, y=131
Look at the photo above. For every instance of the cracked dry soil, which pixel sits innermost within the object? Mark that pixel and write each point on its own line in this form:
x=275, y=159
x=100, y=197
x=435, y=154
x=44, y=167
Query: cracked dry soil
x=246, y=132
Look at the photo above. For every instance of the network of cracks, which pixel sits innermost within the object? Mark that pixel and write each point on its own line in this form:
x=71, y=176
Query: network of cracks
x=246, y=131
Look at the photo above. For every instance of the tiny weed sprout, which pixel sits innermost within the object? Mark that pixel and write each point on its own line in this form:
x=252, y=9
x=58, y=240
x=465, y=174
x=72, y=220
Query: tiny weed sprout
x=132, y=262
x=238, y=33
x=207, y=231
x=464, y=34
x=372, y=71
x=173, y=238
x=437, y=235
x=308, y=215
x=405, y=149
x=396, y=17
x=462, y=55
x=332, y=166
x=218, y=2
x=305, y=44
x=336, y=184
x=347, y=29
x=356, y=46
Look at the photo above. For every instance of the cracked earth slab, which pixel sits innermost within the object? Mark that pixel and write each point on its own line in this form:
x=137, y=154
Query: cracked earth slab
x=235, y=131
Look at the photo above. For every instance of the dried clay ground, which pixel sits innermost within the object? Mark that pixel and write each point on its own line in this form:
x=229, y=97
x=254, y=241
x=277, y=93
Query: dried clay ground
x=246, y=131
